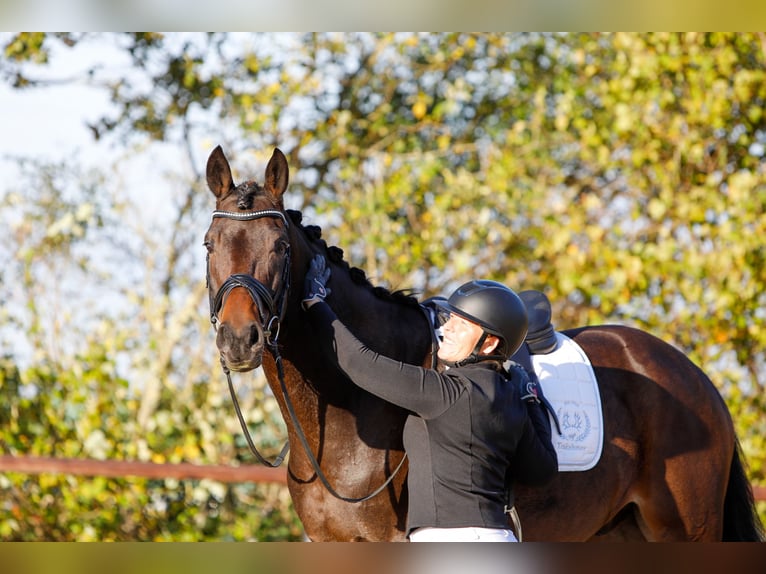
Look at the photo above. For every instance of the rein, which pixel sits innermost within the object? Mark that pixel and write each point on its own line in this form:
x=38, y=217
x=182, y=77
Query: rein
x=264, y=298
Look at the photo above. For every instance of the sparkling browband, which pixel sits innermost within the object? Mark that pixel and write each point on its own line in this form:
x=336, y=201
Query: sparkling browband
x=248, y=215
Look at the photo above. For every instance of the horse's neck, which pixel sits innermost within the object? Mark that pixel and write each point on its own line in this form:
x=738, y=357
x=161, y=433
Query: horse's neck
x=391, y=326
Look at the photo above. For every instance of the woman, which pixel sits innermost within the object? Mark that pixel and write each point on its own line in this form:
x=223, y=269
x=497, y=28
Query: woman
x=471, y=422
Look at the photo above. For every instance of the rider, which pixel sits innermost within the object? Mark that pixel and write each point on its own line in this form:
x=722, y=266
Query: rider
x=470, y=422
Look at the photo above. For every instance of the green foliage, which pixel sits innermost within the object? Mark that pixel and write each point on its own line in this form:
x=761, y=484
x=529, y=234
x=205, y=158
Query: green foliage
x=88, y=411
x=623, y=174
x=97, y=367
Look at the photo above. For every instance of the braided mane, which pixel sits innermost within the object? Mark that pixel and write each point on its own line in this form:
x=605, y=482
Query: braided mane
x=358, y=276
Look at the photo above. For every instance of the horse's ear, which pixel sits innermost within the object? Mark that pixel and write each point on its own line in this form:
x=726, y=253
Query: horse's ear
x=277, y=174
x=219, y=178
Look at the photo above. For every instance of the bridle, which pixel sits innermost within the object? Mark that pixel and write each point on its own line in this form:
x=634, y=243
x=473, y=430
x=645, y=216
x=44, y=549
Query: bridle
x=271, y=311
x=264, y=298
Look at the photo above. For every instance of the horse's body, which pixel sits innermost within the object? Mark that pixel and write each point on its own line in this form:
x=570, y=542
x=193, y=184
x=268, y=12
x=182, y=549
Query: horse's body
x=670, y=468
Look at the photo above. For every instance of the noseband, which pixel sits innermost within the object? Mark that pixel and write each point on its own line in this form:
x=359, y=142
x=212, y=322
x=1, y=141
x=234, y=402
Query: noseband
x=271, y=306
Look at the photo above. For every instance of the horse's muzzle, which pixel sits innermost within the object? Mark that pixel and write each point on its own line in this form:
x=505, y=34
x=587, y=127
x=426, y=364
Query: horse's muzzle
x=241, y=348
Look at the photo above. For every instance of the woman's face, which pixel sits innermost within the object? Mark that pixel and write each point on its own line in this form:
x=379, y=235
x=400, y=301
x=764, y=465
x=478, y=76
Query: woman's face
x=459, y=338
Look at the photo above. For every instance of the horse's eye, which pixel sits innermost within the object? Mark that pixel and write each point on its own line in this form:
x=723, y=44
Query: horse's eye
x=283, y=247
x=208, y=245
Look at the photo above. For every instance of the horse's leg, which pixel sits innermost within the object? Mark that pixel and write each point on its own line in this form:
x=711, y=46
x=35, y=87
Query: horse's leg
x=685, y=502
x=668, y=418
x=681, y=495
x=686, y=442
x=622, y=528
x=593, y=505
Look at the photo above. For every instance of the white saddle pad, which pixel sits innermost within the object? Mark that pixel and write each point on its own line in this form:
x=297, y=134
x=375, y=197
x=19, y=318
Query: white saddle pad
x=569, y=383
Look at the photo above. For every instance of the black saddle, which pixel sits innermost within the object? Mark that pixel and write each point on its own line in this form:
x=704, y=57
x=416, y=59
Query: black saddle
x=541, y=337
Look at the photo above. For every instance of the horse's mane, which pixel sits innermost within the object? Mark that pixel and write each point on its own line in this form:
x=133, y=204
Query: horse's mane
x=248, y=190
x=358, y=276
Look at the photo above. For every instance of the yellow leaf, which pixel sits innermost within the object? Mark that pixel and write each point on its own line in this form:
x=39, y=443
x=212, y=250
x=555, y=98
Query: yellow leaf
x=419, y=110
x=656, y=209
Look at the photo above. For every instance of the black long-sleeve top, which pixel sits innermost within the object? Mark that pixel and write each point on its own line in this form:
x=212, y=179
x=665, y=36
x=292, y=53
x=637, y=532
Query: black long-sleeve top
x=467, y=426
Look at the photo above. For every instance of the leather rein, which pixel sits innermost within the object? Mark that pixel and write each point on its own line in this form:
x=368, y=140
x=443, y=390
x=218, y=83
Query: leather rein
x=271, y=310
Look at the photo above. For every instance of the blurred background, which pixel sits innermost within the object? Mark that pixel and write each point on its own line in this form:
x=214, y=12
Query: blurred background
x=621, y=173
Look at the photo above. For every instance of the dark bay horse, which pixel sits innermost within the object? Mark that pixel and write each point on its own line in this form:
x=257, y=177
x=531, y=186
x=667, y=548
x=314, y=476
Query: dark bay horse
x=671, y=467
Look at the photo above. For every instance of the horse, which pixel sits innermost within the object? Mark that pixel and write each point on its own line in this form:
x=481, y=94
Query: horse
x=671, y=467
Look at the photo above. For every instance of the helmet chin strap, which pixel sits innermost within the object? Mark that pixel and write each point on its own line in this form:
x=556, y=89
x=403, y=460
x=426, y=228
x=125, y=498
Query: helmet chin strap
x=475, y=355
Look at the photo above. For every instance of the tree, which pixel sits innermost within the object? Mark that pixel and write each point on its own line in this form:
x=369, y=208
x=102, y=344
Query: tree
x=105, y=356
x=620, y=173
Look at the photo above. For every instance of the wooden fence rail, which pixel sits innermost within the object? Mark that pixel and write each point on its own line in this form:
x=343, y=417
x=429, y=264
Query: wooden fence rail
x=180, y=471
x=121, y=468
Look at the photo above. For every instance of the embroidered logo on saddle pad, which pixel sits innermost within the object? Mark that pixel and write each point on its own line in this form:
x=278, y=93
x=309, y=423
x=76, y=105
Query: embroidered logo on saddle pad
x=569, y=383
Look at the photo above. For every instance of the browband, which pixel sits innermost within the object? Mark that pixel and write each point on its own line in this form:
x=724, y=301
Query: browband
x=248, y=215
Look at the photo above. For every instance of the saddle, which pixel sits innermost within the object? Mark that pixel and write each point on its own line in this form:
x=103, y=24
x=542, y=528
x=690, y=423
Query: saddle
x=541, y=337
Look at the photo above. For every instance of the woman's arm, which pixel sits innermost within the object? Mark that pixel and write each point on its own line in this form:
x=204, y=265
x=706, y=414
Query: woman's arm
x=423, y=391
x=535, y=461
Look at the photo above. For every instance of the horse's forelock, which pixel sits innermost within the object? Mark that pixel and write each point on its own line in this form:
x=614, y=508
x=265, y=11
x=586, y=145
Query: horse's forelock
x=246, y=192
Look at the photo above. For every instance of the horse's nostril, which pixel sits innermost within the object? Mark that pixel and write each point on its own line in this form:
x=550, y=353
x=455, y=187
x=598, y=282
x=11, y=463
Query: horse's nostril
x=238, y=342
x=225, y=336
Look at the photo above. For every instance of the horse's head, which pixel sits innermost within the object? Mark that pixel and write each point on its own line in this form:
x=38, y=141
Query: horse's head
x=248, y=260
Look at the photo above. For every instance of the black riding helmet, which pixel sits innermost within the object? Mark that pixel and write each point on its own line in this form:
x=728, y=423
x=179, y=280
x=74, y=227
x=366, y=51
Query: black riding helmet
x=494, y=307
